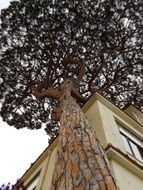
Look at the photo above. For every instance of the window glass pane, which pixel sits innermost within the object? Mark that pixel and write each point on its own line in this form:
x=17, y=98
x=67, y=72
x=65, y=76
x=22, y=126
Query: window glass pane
x=132, y=143
x=136, y=151
x=33, y=184
x=132, y=137
x=126, y=144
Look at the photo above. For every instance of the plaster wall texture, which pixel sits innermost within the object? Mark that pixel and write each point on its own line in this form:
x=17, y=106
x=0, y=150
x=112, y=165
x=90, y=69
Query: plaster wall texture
x=126, y=179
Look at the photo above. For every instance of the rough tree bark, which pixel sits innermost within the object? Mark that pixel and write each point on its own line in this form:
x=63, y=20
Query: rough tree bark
x=81, y=163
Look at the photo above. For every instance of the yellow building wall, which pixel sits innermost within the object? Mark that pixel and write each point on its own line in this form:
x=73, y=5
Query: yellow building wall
x=102, y=120
x=94, y=118
x=126, y=179
x=49, y=171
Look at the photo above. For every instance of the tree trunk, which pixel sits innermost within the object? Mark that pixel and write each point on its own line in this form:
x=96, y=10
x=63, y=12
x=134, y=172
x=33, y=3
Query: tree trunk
x=81, y=163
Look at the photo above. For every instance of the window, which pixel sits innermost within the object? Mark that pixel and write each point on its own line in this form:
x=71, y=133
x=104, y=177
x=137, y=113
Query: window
x=138, y=117
x=33, y=182
x=133, y=144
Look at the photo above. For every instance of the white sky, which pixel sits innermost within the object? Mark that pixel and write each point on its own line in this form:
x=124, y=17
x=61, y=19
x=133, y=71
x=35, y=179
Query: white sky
x=4, y=3
x=18, y=148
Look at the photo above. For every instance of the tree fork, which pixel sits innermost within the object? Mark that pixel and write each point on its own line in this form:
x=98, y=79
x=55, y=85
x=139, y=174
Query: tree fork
x=81, y=163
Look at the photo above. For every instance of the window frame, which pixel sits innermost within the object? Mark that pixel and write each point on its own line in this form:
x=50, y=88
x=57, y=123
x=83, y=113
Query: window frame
x=34, y=178
x=131, y=138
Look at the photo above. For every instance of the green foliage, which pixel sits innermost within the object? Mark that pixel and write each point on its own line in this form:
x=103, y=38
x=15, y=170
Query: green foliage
x=37, y=35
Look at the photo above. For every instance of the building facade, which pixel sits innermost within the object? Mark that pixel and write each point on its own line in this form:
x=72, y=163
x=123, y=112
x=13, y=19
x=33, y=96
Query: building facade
x=120, y=132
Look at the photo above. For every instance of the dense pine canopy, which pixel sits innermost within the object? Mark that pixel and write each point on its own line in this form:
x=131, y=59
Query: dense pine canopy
x=38, y=35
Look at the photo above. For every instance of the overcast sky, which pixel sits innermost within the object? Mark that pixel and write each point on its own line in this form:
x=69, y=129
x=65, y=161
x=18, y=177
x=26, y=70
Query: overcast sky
x=18, y=148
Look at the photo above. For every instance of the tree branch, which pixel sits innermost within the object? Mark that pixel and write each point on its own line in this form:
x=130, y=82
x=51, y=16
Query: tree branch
x=50, y=92
x=81, y=69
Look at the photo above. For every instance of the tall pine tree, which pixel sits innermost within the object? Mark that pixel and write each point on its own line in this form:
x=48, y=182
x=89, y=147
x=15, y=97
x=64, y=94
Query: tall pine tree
x=97, y=46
